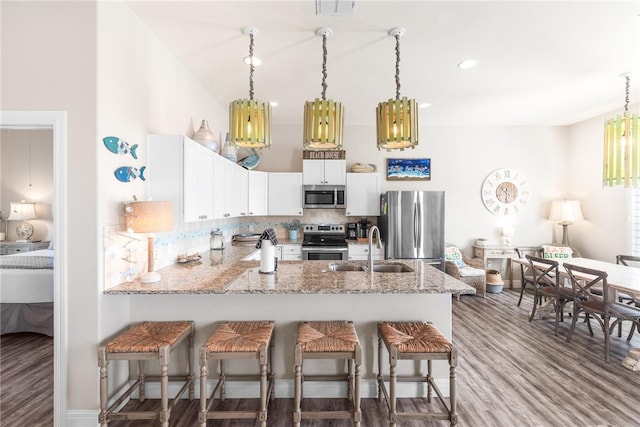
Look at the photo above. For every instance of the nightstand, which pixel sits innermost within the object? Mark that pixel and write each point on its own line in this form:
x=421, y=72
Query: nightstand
x=12, y=247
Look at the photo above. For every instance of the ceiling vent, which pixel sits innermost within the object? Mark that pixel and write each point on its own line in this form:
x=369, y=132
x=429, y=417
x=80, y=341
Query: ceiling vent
x=335, y=7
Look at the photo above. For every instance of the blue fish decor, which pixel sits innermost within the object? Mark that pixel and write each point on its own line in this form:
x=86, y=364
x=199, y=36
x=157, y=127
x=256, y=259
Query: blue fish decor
x=120, y=146
x=251, y=161
x=129, y=173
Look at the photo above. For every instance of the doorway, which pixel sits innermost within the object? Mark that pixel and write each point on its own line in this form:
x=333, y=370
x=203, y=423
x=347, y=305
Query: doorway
x=56, y=121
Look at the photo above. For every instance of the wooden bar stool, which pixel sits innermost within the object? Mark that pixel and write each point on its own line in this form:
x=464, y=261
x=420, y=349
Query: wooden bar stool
x=146, y=341
x=328, y=340
x=238, y=340
x=415, y=341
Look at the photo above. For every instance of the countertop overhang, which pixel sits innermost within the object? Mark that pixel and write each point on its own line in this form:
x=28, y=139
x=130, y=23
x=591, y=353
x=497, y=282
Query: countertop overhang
x=224, y=272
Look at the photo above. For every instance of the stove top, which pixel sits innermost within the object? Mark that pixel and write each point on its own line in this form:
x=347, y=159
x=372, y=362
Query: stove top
x=316, y=235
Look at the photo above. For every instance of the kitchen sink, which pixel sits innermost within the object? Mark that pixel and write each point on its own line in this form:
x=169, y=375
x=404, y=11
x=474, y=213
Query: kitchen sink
x=392, y=268
x=346, y=267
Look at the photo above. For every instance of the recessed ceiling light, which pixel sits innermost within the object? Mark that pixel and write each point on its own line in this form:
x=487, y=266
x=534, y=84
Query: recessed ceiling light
x=469, y=63
x=256, y=61
x=424, y=105
x=273, y=103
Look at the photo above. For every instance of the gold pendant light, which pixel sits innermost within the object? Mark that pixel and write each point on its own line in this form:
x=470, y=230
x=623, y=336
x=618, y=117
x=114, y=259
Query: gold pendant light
x=397, y=119
x=249, y=119
x=622, y=147
x=323, y=119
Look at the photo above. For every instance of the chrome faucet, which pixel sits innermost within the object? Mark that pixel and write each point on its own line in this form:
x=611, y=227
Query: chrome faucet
x=372, y=230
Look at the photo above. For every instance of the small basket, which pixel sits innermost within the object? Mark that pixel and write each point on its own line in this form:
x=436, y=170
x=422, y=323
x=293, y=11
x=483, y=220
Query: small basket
x=495, y=284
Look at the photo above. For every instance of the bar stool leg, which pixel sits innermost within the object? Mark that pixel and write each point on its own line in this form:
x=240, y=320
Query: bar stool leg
x=192, y=384
x=204, y=372
x=357, y=413
x=141, y=378
x=380, y=376
x=393, y=360
x=429, y=380
x=453, y=363
x=164, y=386
x=297, y=412
x=103, y=365
x=263, y=387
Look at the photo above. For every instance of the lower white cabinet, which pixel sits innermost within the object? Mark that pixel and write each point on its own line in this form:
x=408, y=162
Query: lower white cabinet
x=360, y=252
x=363, y=194
x=291, y=252
x=285, y=193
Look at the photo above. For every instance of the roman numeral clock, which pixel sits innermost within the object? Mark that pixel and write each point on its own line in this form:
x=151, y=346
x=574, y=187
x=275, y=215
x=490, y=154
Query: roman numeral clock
x=505, y=192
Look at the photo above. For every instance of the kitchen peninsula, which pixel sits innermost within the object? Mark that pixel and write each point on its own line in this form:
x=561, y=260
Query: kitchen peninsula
x=223, y=287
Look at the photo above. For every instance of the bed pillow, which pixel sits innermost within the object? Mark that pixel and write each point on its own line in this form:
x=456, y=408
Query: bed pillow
x=557, y=253
x=50, y=245
x=453, y=254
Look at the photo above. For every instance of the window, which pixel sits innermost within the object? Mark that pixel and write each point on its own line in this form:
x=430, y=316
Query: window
x=634, y=210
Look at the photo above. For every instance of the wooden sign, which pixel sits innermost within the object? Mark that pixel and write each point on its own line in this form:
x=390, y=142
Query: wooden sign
x=324, y=154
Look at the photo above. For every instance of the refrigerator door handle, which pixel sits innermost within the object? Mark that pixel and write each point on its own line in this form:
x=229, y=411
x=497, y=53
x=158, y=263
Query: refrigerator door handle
x=416, y=226
x=419, y=222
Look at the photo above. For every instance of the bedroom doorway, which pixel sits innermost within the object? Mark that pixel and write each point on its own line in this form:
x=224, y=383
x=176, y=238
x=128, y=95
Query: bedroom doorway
x=56, y=121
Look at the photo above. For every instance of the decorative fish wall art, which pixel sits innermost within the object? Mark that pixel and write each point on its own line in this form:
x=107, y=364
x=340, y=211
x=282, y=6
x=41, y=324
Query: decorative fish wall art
x=129, y=173
x=120, y=146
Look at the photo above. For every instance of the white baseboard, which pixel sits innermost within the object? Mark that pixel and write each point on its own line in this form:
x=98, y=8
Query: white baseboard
x=283, y=390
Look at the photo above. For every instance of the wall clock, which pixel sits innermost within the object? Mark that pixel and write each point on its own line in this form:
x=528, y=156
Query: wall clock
x=505, y=192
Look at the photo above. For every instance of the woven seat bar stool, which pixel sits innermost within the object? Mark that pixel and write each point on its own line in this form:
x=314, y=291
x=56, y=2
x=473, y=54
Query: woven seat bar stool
x=140, y=342
x=335, y=340
x=238, y=340
x=415, y=341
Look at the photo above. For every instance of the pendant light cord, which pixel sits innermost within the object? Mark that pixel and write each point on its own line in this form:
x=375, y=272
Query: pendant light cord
x=251, y=67
x=324, y=67
x=397, y=66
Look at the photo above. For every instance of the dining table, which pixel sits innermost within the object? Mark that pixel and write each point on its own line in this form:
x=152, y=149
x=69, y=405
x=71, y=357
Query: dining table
x=621, y=278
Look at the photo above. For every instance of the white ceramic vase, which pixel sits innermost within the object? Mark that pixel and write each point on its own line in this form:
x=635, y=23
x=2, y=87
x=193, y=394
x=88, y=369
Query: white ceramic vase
x=205, y=137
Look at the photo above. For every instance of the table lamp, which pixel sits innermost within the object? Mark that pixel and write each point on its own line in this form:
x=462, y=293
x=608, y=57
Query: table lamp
x=21, y=211
x=565, y=212
x=149, y=217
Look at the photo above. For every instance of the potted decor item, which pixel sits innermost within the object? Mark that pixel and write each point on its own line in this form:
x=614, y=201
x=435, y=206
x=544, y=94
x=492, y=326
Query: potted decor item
x=292, y=227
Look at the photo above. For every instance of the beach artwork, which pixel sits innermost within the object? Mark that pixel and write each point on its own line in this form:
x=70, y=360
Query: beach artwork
x=408, y=169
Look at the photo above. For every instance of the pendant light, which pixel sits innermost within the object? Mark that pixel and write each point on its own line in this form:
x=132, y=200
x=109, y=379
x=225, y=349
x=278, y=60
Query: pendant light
x=397, y=119
x=622, y=147
x=249, y=119
x=323, y=119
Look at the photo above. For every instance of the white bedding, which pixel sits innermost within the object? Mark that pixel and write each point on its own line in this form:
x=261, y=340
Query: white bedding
x=27, y=285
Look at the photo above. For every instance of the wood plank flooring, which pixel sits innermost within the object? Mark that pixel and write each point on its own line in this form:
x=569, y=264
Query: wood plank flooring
x=26, y=380
x=511, y=373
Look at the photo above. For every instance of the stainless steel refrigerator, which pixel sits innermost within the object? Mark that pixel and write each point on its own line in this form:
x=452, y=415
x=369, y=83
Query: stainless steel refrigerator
x=412, y=225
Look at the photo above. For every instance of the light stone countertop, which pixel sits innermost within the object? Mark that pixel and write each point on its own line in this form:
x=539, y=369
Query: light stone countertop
x=223, y=272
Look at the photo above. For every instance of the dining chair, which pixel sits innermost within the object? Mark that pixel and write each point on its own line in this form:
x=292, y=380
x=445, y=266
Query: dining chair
x=526, y=275
x=604, y=308
x=628, y=261
x=547, y=284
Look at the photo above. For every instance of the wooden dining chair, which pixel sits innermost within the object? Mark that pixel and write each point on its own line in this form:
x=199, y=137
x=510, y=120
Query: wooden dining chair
x=605, y=308
x=526, y=275
x=628, y=261
x=547, y=284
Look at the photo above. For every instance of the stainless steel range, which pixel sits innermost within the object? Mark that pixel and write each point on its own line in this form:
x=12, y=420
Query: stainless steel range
x=324, y=242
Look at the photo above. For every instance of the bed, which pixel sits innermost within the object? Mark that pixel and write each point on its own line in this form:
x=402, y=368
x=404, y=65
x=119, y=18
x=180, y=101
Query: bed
x=26, y=292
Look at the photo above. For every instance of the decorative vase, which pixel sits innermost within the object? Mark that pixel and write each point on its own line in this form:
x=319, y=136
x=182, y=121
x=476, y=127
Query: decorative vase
x=205, y=137
x=293, y=235
x=229, y=151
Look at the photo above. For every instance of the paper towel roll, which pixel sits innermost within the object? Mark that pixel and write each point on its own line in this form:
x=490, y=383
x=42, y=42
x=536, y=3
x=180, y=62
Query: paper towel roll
x=267, y=257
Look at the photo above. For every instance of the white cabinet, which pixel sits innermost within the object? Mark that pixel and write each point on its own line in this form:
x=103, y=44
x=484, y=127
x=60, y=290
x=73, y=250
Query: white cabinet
x=240, y=190
x=360, y=252
x=363, y=194
x=181, y=170
x=285, y=193
x=324, y=172
x=258, y=193
x=220, y=178
x=291, y=252
x=231, y=193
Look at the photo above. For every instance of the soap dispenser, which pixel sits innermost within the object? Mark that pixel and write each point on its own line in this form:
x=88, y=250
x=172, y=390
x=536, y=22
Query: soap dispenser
x=216, y=242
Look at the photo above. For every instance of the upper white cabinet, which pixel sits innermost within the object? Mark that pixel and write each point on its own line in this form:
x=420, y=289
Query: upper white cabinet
x=231, y=193
x=181, y=170
x=324, y=172
x=363, y=194
x=258, y=193
x=285, y=193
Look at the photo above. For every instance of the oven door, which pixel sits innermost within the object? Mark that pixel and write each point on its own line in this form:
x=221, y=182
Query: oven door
x=321, y=253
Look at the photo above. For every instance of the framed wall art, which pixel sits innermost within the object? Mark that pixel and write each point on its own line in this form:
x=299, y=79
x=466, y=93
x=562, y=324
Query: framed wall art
x=408, y=169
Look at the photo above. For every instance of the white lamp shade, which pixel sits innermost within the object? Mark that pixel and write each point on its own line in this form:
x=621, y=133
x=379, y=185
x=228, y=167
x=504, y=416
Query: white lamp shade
x=22, y=211
x=566, y=211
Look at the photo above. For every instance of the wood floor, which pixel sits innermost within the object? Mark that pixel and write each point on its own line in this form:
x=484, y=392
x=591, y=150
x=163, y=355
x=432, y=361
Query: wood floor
x=511, y=373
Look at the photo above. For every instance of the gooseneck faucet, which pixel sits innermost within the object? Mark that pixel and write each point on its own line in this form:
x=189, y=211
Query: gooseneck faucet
x=372, y=230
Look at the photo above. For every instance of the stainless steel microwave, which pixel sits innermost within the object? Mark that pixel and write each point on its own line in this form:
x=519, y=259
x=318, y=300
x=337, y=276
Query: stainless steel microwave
x=324, y=196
